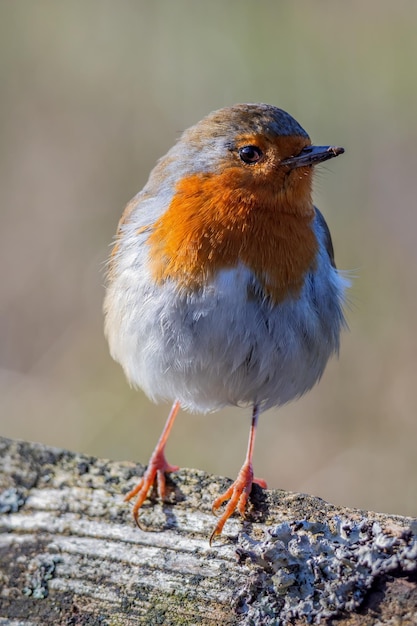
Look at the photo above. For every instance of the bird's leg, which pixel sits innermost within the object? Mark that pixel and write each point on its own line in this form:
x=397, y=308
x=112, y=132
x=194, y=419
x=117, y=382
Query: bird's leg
x=157, y=467
x=238, y=493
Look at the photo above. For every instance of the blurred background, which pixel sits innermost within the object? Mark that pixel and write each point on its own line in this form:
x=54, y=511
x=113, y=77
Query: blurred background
x=92, y=93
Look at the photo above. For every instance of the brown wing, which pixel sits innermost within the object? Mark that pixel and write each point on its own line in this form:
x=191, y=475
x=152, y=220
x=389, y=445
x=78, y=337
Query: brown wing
x=327, y=236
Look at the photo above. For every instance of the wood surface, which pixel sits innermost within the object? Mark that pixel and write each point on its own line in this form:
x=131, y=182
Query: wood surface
x=71, y=554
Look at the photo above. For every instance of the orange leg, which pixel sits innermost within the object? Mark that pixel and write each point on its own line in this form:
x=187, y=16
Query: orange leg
x=157, y=467
x=238, y=493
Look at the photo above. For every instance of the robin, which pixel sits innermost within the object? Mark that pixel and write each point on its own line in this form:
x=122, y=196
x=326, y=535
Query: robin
x=222, y=287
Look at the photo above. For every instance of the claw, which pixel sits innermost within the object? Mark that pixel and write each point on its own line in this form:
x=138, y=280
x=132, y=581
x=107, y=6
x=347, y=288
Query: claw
x=237, y=495
x=157, y=469
x=260, y=482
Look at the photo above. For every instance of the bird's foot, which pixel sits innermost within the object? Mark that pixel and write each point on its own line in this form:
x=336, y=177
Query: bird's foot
x=158, y=466
x=237, y=494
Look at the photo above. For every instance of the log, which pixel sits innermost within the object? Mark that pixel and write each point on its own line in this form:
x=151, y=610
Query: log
x=71, y=554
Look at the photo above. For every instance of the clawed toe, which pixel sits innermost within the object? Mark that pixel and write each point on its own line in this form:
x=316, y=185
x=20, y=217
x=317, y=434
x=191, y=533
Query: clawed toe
x=155, y=472
x=236, y=496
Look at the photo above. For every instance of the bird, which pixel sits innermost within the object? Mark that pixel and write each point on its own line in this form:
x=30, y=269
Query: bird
x=222, y=288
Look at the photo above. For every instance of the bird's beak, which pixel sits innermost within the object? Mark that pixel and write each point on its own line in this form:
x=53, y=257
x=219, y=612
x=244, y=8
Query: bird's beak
x=311, y=155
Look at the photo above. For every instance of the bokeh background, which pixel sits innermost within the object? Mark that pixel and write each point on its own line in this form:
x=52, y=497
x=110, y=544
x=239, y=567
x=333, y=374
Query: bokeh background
x=92, y=93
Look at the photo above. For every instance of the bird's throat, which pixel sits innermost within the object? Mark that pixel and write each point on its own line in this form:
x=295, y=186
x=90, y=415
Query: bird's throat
x=215, y=222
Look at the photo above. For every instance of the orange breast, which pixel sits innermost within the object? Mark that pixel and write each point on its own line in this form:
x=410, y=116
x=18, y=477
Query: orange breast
x=216, y=221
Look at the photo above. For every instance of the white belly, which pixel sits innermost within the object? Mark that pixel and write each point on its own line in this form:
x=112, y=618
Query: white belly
x=221, y=347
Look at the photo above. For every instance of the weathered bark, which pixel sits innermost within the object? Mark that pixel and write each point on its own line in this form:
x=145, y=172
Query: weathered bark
x=71, y=554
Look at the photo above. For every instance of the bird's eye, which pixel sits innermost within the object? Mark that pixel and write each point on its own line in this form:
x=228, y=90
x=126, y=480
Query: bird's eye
x=250, y=154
